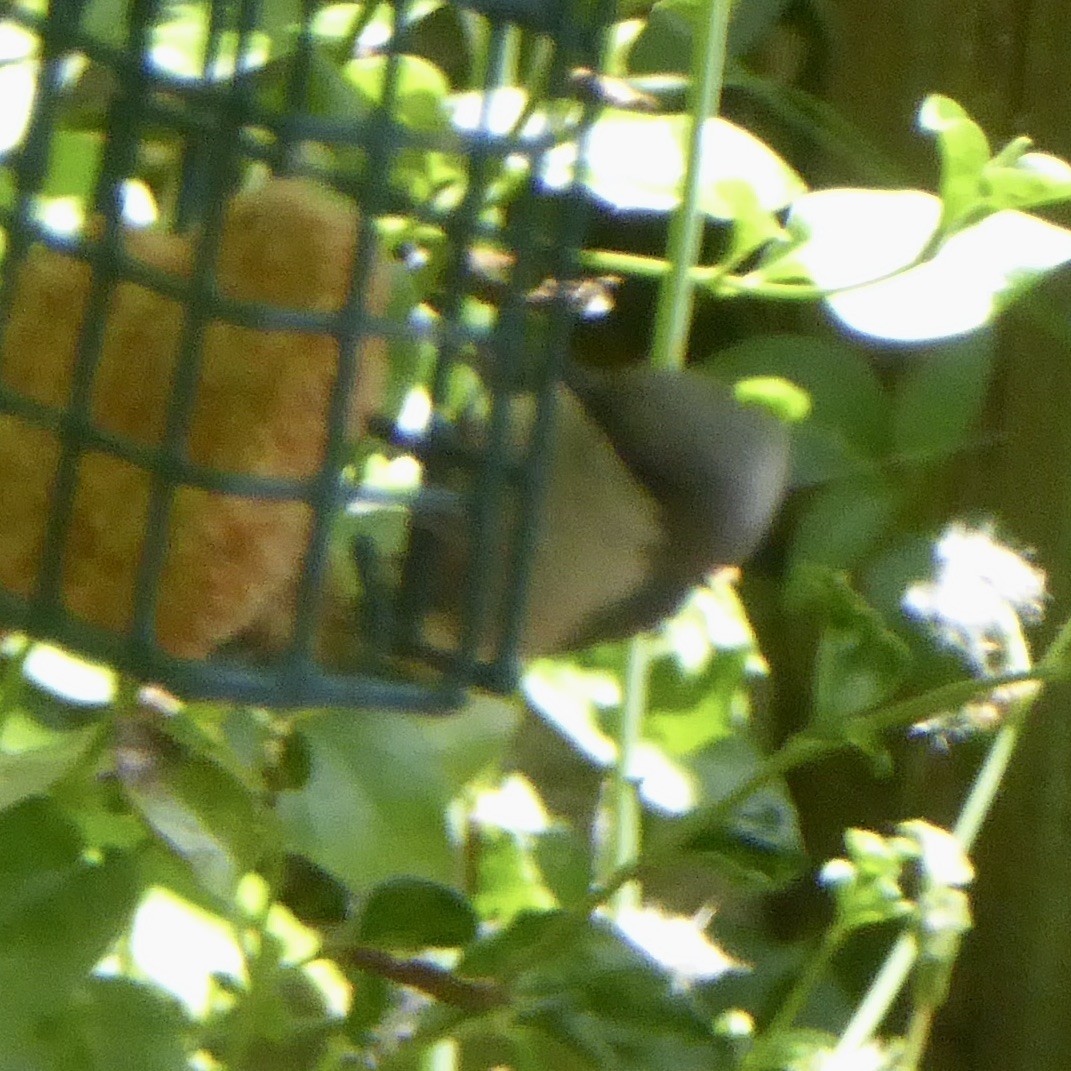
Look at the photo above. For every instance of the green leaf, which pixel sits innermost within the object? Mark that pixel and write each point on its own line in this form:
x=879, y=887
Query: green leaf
x=844, y=523
x=664, y=45
x=74, y=159
x=1033, y=179
x=410, y=914
x=420, y=89
x=759, y=844
x=941, y=397
x=859, y=662
x=59, y=913
x=687, y=712
x=848, y=427
x=583, y=17
x=34, y=767
x=106, y=20
x=375, y=803
x=279, y=18
x=636, y=161
x=509, y=881
x=325, y=91
x=964, y=151
x=582, y=994
x=118, y=1025
x=281, y=1022
x=467, y=742
x=786, y=401
x=202, y=811
x=563, y=856
x=855, y=670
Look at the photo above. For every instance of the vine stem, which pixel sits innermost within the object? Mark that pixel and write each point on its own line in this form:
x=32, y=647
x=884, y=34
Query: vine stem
x=625, y=827
x=806, y=747
x=686, y=229
x=797, y=997
x=11, y=680
x=668, y=346
x=894, y=971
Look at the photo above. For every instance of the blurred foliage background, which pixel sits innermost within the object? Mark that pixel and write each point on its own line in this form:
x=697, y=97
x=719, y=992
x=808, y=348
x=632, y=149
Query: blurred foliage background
x=1007, y=66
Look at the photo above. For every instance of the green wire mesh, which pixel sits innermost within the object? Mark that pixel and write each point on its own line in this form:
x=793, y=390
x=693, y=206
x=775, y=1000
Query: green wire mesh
x=186, y=410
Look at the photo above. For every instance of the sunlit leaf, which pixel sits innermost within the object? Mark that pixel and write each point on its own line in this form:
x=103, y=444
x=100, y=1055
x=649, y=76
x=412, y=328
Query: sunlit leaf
x=854, y=236
x=508, y=877
x=867, y=243
x=183, y=949
x=942, y=856
x=178, y=47
x=569, y=698
x=31, y=771
x=1031, y=179
x=676, y=942
x=419, y=87
x=964, y=151
x=338, y=21
x=637, y=161
x=970, y=279
x=18, y=90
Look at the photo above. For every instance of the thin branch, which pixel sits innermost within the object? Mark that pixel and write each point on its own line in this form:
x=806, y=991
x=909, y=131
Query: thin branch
x=437, y=982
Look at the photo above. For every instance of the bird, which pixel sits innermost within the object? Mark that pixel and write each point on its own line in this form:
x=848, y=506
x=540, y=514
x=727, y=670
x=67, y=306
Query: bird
x=656, y=477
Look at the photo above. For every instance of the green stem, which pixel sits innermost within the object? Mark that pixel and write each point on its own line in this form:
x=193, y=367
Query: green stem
x=127, y=691
x=798, y=995
x=897, y=967
x=625, y=827
x=718, y=278
x=894, y=972
x=503, y=65
x=879, y=997
x=479, y=35
x=946, y=697
x=806, y=747
x=917, y=1037
x=11, y=681
x=686, y=230
x=796, y=752
x=986, y=785
x=361, y=21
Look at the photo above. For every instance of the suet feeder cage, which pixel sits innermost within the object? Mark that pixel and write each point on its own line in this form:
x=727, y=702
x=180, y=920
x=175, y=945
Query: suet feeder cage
x=238, y=236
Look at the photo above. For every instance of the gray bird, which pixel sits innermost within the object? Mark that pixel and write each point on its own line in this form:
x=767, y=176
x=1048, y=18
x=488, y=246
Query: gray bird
x=656, y=477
